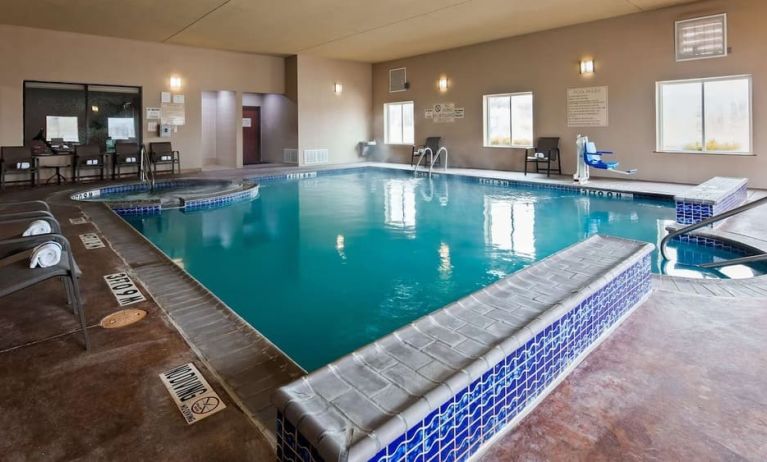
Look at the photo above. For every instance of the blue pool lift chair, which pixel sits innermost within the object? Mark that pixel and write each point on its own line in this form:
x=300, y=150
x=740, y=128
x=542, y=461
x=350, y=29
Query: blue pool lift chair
x=593, y=159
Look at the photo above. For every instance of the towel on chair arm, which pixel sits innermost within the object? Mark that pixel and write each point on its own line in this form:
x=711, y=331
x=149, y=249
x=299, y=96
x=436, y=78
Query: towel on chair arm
x=37, y=227
x=45, y=255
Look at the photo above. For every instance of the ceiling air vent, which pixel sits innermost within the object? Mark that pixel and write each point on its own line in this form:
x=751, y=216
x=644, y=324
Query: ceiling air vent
x=398, y=80
x=701, y=38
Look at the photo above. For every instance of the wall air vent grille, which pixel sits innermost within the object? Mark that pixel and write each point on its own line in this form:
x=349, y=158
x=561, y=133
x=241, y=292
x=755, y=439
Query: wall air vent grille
x=701, y=38
x=397, y=80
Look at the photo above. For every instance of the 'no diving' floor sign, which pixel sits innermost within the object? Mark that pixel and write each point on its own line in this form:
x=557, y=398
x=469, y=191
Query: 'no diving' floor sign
x=191, y=393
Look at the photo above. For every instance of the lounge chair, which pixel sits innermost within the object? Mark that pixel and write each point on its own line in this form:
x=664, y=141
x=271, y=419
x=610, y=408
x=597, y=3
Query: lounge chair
x=27, y=218
x=18, y=275
x=24, y=206
x=433, y=143
x=546, y=151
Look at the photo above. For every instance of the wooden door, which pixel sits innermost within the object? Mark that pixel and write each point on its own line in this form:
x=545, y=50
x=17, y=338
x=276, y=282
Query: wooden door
x=251, y=135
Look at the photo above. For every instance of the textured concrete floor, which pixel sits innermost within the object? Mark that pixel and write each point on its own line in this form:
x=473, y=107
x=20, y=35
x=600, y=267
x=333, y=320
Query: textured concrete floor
x=682, y=379
x=62, y=403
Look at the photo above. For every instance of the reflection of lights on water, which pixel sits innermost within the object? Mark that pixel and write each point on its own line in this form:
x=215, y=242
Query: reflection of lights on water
x=445, y=266
x=510, y=225
x=340, y=245
x=399, y=204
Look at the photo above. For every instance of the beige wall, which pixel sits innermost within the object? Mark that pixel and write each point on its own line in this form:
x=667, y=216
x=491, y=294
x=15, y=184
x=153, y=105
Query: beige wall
x=631, y=54
x=330, y=121
x=279, y=124
x=33, y=54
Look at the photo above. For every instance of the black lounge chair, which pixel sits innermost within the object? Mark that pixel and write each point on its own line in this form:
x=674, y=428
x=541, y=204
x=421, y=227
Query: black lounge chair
x=27, y=217
x=24, y=206
x=18, y=275
x=545, y=152
x=432, y=143
x=162, y=153
x=17, y=160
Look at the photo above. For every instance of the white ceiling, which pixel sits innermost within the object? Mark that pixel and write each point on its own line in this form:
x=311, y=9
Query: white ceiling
x=360, y=30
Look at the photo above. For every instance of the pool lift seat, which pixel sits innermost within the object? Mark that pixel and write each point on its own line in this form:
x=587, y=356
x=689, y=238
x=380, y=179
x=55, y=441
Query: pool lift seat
x=593, y=158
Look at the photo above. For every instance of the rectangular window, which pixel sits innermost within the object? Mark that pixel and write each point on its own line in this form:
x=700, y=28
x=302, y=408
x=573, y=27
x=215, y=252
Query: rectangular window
x=398, y=123
x=509, y=120
x=704, y=115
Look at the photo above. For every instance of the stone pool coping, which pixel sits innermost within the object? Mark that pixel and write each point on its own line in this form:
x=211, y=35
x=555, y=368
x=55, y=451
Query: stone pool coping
x=713, y=191
x=358, y=405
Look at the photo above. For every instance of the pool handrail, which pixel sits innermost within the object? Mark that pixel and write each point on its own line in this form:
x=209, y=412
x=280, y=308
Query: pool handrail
x=711, y=220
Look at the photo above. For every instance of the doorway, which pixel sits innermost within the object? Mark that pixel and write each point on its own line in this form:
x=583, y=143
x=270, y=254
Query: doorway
x=251, y=135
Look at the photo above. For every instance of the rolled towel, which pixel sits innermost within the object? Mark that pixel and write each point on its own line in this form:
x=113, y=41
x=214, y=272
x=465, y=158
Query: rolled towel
x=37, y=227
x=45, y=255
x=22, y=165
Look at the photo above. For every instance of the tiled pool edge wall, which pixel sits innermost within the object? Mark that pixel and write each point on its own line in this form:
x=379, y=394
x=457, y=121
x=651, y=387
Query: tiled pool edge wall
x=152, y=207
x=510, y=387
x=715, y=196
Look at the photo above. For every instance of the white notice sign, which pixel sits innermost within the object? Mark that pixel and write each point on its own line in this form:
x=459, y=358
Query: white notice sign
x=191, y=393
x=152, y=113
x=172, y=114
x=247, y=122
x=587, y=107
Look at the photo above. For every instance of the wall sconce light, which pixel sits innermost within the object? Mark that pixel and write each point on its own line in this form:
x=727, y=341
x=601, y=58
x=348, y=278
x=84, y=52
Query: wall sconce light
x=94, y=108
x=338, y=88
x=587, y=66
x=442, y=84
x=175, y=83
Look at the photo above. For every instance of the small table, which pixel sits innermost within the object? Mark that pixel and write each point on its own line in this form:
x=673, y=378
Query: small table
x=58, y=155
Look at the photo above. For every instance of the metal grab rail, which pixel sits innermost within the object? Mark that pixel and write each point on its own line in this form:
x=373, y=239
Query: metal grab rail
x=420, y=158
x=147, y=176
x=435, y=158
x=706, y=222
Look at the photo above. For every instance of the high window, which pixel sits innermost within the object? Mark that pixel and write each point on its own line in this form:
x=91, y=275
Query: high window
x=704, y=115
x=398, y=123
x=509, y=120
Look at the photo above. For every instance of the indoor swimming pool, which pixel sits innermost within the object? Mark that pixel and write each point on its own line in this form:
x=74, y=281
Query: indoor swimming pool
x=324, y=265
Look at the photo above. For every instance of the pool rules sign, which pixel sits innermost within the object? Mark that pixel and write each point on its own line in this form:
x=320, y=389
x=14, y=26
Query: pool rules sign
x=587, y=107
x=191, y=393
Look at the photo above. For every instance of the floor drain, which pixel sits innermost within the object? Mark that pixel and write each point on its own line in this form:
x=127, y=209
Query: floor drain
x=122, y=318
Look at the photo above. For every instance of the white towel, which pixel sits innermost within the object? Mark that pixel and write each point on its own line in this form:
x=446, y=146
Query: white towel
x=165, y=157
x=22, y=165
x=45, y=255
x=91, y=162
x=130, y=160
x=37, y=227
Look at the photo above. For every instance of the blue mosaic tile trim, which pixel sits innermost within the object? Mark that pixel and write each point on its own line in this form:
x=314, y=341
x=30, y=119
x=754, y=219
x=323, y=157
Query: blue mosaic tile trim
x=219, y=201
x=688, y=213
x=474, y=415
x=714, y=243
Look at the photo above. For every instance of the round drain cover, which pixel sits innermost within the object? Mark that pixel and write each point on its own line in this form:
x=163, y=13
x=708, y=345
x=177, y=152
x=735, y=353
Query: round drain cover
x=122, y=318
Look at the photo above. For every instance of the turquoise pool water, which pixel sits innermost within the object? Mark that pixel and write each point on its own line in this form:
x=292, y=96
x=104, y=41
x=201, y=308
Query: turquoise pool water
x=325, y=265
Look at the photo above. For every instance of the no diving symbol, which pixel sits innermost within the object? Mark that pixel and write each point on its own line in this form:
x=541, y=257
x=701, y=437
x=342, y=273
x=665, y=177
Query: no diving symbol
x=205, y=405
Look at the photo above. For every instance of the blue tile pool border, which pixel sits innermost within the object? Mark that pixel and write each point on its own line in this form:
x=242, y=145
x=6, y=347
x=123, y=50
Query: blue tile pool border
x=508, y=389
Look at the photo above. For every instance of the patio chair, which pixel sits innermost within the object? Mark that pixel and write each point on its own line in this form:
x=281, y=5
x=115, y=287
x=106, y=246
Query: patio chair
x=88, y=156
x=127, y=155
x=546, y=151
x=432, y=142
x=17, y=276
x=162, y=153
x=17, y=160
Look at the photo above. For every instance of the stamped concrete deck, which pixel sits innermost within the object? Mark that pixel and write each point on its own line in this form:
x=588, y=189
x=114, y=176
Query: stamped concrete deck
x=144, y=424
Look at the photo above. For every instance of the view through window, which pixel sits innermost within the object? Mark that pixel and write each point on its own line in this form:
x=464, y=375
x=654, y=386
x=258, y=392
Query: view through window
x=398, y=123
x=509, y=120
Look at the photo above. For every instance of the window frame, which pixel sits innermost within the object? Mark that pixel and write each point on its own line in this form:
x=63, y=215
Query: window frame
x=485, y=140
x=386, y=122
x=659, y=115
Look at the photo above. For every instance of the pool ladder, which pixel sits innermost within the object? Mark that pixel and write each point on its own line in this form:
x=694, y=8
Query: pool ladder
x=147, y=176
x=717, y=264
x=434, y=158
